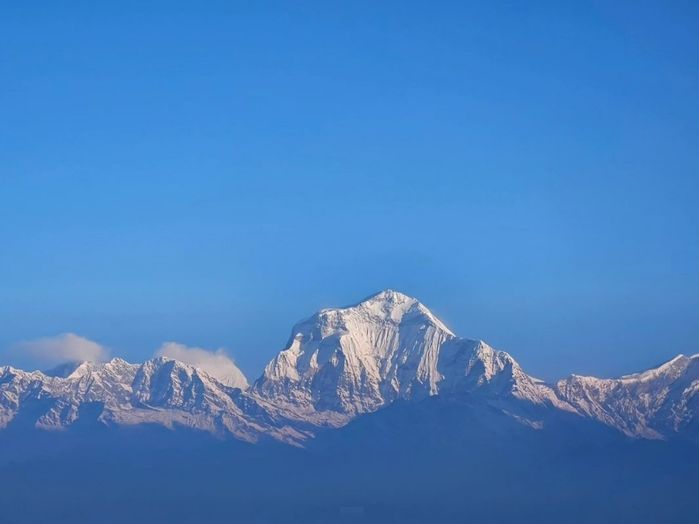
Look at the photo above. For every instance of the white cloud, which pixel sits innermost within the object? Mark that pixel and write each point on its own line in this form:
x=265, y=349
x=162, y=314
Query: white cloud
x=216, y=363
x=67, y=347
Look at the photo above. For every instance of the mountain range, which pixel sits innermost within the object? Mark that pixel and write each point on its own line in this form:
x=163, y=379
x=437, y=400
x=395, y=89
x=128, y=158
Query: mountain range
x=339, y=365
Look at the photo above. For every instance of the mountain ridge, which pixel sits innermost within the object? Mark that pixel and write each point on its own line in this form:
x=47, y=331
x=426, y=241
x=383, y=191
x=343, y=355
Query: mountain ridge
x=342, y=363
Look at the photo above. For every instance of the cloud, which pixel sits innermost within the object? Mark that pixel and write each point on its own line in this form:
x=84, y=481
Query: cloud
x=216, y=363
x=67, y=347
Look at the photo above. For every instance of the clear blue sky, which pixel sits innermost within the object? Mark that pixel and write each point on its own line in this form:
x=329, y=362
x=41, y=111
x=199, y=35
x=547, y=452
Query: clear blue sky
x=212, y=173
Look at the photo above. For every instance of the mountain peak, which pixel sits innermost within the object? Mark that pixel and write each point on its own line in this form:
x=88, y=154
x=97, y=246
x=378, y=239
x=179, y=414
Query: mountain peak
x=63, y=370
x=389, y=295
x=355, y=359
x=389, y=299
x=388, y=305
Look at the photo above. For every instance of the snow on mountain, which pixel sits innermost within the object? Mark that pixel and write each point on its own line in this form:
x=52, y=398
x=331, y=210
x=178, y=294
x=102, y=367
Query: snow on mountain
x=472, y=366
x=160, y=391
x=343, y=362
x=215, y=363
x=354, y=360
x=338, y=364
x=653, y=404
x=57, y=400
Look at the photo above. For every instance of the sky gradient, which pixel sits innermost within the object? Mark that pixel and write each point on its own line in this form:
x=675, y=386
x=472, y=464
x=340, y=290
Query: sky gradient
x=210, y=176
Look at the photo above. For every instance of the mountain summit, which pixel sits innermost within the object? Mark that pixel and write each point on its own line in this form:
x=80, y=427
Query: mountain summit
x=342, y=362
x=355, y=359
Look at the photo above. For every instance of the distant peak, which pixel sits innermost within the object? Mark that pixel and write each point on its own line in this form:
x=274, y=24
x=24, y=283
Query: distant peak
x=678, y=359
x=681, y=356
x=388, y=304
x=162, y=360
x=389, y=295
x=672, y=366
x=117, y=360
x=64, y=370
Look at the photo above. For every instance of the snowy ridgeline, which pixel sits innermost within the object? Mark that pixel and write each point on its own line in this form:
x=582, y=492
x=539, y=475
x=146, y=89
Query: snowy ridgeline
x=339, y=364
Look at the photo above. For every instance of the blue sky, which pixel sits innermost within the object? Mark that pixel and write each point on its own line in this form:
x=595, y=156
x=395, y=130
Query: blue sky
x=212, y=174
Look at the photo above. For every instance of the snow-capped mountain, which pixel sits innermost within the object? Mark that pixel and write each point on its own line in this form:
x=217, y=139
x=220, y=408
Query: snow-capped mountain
x=339, y=364
x=161, y=391
x=653, y=404
x=353, y=360
x=343, y=362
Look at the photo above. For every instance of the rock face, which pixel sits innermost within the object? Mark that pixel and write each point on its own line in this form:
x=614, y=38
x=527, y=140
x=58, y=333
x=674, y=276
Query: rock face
x=339, y=364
